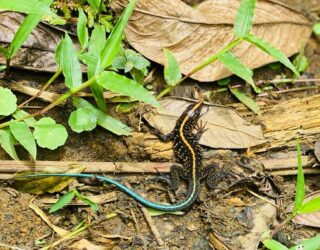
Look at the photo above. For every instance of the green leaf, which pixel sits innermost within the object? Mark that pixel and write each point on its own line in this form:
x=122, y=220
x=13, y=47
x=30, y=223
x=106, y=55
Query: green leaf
x=67, y=59
x=274, y=245
x=95, y=4
x=2, y=67
x=113, y=43
x=316, y=28
x=224, y=82
x=82, y=119
x=103, y=120
x=246, y=100
x=300, y=187
x=172, y=72
x=21, y=113
x=244, y=18
x=27, y=26
x=93, y=205
x=28, y=7
x=310, y=244
x=154, y=212
x=7, y=143
x=310, y=206
x=137, y=60
x=82, y=30
x=8, y=102
x=5, y=52
x=125, y=86
x=96, y=44
x=301, y=62
x=63, y=201
x=49, y=134
x=272, y=51
x=119, y=62
x=235, y=66
x=23, y=135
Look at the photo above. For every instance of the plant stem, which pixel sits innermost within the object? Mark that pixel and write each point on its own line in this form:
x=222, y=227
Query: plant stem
x=55, y=102
x=211, y=59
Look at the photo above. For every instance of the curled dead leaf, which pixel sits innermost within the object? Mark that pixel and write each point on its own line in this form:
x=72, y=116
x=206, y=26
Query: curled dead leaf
x=194, y=34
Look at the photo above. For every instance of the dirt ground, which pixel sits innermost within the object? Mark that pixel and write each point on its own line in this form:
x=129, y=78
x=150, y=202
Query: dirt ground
x=228, y=213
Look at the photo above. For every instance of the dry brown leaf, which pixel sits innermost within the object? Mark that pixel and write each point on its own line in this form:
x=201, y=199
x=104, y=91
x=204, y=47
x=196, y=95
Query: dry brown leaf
x=225, y=127
x=195, y=34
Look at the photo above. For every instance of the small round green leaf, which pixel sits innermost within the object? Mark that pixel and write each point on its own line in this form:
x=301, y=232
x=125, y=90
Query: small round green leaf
x=82, y=119
x=8, y=102
x=49, y=134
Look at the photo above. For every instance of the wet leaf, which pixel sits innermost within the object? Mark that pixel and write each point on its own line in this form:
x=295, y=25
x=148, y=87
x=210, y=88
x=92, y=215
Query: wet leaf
x=8, y=102
x=23, y=135
x=63, y=201
x=7, y=143
x=82, y=120
x=171, y=68
x=49, y=134
x=82, y=30
x=47, y=184
x=195, y=34
x=246, y=100
x=21, y=113
x=244, y=18
x=274, y=245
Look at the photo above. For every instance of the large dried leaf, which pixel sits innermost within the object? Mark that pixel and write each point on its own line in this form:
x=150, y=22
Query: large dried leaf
x=195, y=34
x=225, y=127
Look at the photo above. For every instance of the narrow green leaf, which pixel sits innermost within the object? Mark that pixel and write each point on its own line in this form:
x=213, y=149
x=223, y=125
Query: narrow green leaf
x=310, y=206
x=310, y=244
x=244, y=18
x=95, y=4
x=63, y=201
x=21, y=113
x=5, y=52
x=82, y=119
x=27, y=26
x=82, y=30
x=300, y=187
x=316, y=28
x=274, y=245
x=301, y=62
x=107, y=122
x=272, y=51
x=93, y=205
x=67, y=59
x=235, y=66
x=49, y=134
x=7, y=143
x=23, y=135
x=113, y=43
x=8, y=102
x=224, y=82
x=172, y=71
x=125, y=86
x=28, y=7
x=154, y=212
x=246, y=100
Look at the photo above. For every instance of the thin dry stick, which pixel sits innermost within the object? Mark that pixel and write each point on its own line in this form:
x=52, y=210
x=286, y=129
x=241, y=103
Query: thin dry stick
x=135, y=221
x=262, y=198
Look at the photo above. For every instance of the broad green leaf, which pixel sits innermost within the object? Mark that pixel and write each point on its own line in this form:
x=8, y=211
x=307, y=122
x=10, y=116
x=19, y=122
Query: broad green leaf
x=28, y=7
x=272, y=51
x=224, y=81
x=87, y=58
x=310, y=206
x=23, y=135
x=45, y=184
x=27, y=26
x=96, y=44
x=49, y=134
x=103, y=120
x=95, y=4
x=82, y=30
x=125, y=86
x=2, y=67
x=301, y=62
x=246, y=100
x=235, y=66
x=113, y=43
x=82, y=119
x=137, y=60
x=316, y=28
x=7, y=143
x=274, y=245
x=63, y=201
x=21, y=113
x=67, y=59
x=172, y=72
x=93, y=205
x=310, y=244
x=244, y=18
x=8, y=102
x=300, y=187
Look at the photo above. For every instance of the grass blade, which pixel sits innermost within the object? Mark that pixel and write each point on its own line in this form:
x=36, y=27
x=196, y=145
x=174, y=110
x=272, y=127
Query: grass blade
x=244, y=18
x=28, y=7
x=172, y=71
x=125, y=86
x=300, y=188
x=246, y=100
x=93, y=205
x=310, y=206
x=113, y=43
x=63, y=201
x=272, y=51
x=82, y=30
x=235, y=66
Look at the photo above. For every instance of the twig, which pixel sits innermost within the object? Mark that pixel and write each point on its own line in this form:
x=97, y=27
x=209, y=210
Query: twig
x=262, y=198
x=135, y=221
